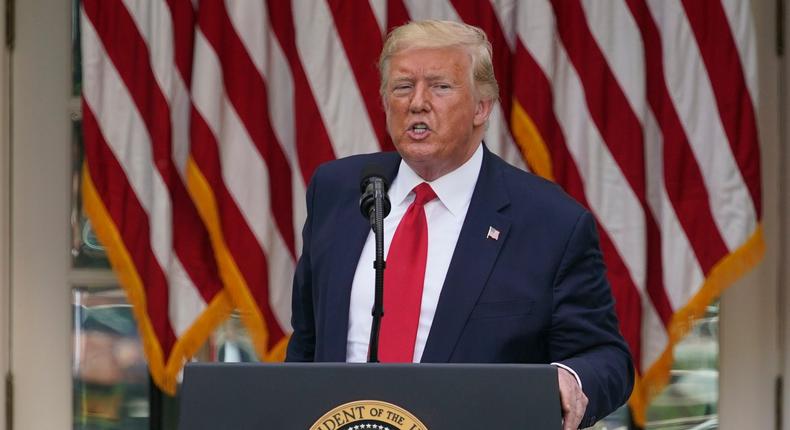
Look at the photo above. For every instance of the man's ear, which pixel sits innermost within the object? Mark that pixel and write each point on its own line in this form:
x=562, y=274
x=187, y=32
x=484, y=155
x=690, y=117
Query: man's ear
x=483, y=111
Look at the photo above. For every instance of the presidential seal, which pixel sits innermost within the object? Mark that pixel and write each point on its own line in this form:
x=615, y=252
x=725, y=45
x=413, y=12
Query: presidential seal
x=368, y=415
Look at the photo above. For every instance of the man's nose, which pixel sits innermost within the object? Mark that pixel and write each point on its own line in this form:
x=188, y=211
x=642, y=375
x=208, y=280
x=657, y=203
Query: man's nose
x=421, y=99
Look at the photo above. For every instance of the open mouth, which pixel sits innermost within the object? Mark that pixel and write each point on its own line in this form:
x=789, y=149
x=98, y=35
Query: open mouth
x=418, y=130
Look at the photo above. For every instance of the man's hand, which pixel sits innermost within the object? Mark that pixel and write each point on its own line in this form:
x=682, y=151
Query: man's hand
x=572, y=398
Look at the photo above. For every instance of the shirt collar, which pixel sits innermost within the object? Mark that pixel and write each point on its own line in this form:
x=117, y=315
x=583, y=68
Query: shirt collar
x=454, y=189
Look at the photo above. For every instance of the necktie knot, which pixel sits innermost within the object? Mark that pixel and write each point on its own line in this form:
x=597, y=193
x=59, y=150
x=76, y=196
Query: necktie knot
x=423, y=194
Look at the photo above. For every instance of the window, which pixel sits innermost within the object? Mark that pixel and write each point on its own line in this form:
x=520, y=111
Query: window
x=690, y=400
x=110, y=377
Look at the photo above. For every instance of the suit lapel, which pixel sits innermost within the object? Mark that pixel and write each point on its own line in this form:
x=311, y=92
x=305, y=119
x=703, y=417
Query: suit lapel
x=351, y=231
x=472, y=261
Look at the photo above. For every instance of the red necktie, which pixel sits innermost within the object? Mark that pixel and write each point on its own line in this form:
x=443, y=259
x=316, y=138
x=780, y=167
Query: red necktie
x=403, y=281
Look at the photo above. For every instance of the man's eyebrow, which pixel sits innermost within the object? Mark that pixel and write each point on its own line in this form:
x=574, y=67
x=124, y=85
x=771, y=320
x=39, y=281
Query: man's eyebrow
x=403, y=78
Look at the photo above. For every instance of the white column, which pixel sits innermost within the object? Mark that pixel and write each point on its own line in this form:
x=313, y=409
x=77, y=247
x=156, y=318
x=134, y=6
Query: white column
x=749, y=326
x=40, y=189
x=5, y=222
x=782, y=181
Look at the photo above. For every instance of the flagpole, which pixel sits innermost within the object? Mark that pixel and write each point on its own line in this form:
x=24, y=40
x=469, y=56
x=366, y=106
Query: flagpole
x=155, y=404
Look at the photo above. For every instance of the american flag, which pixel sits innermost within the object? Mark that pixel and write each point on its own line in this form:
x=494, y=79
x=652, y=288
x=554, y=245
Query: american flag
x=203, y=121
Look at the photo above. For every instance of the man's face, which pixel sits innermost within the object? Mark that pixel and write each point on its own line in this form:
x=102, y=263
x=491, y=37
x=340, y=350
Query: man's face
x=433, y=114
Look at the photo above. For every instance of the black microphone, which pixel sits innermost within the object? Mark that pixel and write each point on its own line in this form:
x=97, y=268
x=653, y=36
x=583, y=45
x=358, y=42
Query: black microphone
x=373, y=185
x=375, y=206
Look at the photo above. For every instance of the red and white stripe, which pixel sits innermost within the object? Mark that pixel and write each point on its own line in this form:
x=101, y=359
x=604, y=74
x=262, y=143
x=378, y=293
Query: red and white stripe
x=133, y=101
x=643, y=110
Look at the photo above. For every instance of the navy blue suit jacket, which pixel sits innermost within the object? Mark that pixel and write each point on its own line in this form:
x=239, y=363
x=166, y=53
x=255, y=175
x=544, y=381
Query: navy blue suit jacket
x=538, y=294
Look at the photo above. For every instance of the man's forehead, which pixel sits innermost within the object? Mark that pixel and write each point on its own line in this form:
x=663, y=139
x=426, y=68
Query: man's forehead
x=429, y=61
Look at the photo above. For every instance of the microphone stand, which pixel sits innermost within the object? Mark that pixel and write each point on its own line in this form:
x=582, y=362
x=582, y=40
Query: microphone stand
x=377, y=223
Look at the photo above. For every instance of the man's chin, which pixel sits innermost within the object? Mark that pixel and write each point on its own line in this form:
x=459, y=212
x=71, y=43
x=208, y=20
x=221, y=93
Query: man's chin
x=427, y=164
x=418, y=156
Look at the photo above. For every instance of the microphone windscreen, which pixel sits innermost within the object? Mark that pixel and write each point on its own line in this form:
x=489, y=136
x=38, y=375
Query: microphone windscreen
x=372, y=171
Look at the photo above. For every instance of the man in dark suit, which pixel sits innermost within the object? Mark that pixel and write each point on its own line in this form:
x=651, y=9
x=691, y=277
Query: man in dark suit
x=486, y=263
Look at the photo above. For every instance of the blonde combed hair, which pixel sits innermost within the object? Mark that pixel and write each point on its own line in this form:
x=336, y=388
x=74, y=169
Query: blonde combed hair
x=443, y=34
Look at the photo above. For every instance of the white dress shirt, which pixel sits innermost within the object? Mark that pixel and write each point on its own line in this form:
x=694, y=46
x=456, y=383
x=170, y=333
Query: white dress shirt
x=445, y=216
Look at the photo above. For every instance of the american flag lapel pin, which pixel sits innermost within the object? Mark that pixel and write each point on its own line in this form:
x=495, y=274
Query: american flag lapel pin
x=492, y=233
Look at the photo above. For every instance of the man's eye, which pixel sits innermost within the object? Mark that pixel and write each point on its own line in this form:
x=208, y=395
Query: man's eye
x=443, y=86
